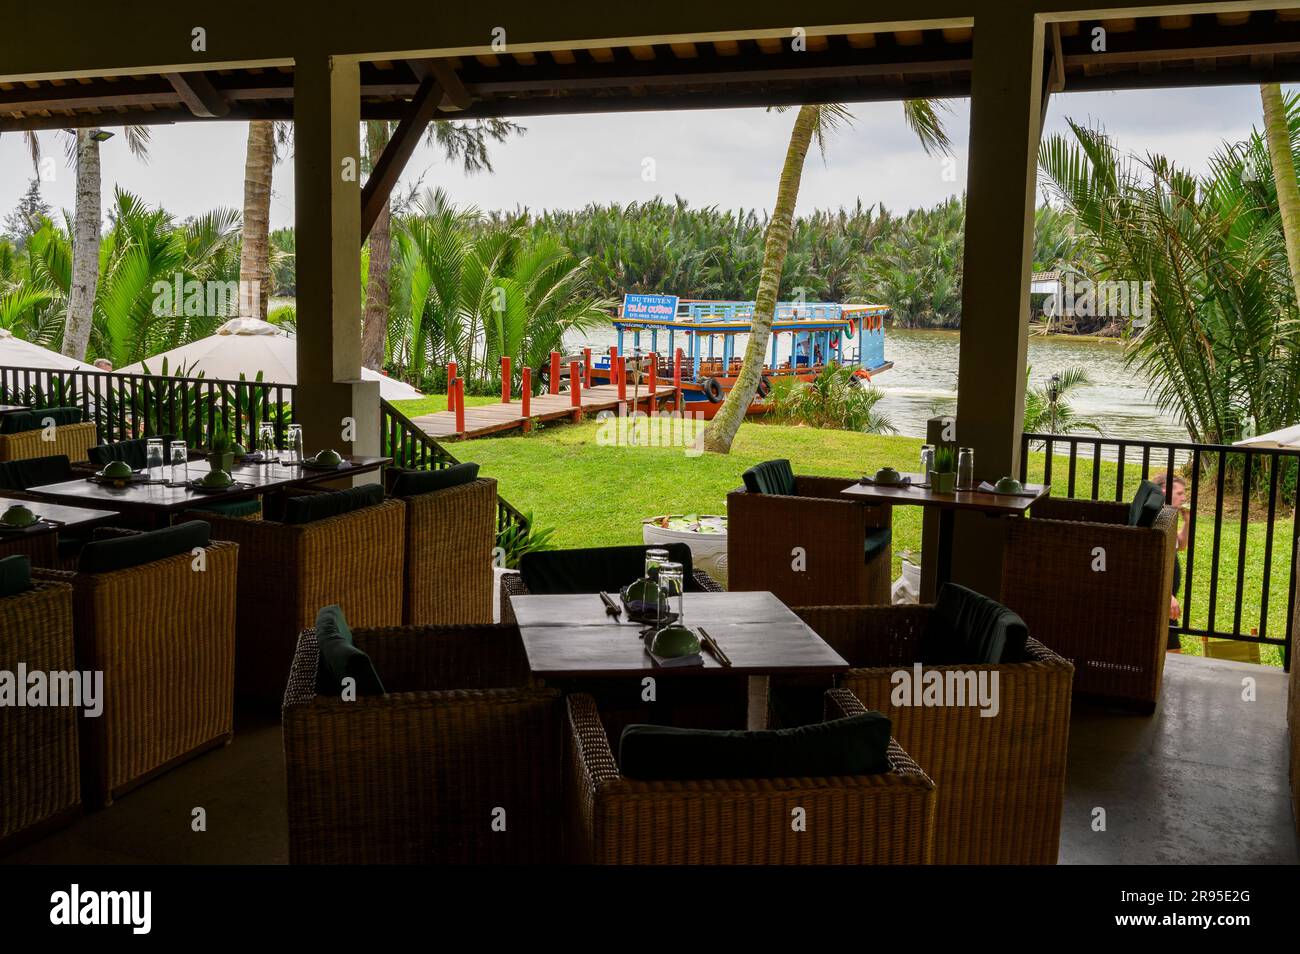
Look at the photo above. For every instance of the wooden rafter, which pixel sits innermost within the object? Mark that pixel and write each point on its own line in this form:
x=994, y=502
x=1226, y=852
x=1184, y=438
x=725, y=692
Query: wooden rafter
x=199, y=95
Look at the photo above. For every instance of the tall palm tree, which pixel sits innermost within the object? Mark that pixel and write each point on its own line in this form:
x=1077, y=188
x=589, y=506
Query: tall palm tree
x=1277, y=133
x=83, y=153
x=812, y=122
x=254, y=255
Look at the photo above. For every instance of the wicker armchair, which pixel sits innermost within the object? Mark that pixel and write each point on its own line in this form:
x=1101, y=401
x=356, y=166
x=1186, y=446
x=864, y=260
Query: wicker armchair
x=1000, y=779
x=867, y=819
x=1114, y=626
x=287, y=572
x=450, y=535
x=41, y=548
x=1293, y=713
x=763, y=531
x=40, y=780
x=163, y=634
x=71, y=440
x=416, y=775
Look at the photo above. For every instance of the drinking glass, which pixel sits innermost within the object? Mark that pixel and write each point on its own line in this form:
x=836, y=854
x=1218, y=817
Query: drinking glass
x=966, y=469
x=670, y=582
x=154, y=460
x=656, y=557
x=293, y=444
x=927, y=459
x=180, y=456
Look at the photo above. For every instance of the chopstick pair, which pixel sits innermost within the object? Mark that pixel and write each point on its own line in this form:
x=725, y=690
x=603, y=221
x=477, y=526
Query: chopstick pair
x=611, y=608
x=712, y=646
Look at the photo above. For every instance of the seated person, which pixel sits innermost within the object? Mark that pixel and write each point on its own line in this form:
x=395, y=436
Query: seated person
x=1175, y=492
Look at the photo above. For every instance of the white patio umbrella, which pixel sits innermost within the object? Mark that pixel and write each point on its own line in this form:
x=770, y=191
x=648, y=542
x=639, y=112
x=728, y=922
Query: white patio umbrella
x=1286, y=437
x=249, y=345
x=17, y=353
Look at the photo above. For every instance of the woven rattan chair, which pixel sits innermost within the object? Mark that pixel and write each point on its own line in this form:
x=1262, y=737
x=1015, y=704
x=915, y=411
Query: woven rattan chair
x=450, y=535
x=70, y=440
x=163, y=634
x=1113, y=625
x=1293, y=715
x=1000, y=779
x=40, y=778
x=764, y=530
x=862, y=819
x=287, y=572
x=420, y=774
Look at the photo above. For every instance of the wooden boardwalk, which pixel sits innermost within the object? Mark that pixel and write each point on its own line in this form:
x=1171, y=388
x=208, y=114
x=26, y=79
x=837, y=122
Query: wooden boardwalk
x=487, y=419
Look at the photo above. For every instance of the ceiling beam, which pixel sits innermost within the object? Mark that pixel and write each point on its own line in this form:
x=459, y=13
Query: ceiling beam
x=418, y=114
x=454, y=95
x=199, y=95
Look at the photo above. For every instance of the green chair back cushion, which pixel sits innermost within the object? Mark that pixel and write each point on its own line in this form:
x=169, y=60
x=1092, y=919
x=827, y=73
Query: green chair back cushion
x=233, y=508
x=308, y=508
x=34, y=472
x=877, y=542
x=1146, y=504
x=770, y=477
x=410, y=483
x=16, y=422
x=15, y=575
x=132, y=451
x=122, y=553
x=857, y=745
x=968, y=628
x=340, y=658
x=595, y=569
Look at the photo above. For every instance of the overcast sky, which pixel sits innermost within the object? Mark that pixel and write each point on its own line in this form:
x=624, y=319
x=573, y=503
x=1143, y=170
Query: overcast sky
x=728, y=158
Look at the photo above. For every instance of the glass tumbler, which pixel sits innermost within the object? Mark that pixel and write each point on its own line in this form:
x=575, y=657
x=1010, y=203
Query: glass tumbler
x=180, y=457
x=966, y=468
x=266, y=441
x=154, y=457
x=927, y=459
x=293, y=445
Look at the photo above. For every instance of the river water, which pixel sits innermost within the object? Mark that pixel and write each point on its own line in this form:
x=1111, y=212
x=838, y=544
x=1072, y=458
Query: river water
x=923, y=381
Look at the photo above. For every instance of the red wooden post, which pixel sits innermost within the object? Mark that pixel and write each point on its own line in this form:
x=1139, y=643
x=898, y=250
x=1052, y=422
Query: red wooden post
x=505, y=379
x=677, y=380
x=613, y=362
x=526, y=398
x=575, y=385
x=555, y=372
x=451, y=385
x=460, y=405
x=586, y=366
x=654, y=374
x=622, y=379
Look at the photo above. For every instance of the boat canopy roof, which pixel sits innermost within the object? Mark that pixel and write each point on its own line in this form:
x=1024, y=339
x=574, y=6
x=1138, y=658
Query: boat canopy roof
x=729, y=317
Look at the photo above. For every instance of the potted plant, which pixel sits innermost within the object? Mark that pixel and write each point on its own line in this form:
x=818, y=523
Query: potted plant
x=943, y=479
x=221, y=451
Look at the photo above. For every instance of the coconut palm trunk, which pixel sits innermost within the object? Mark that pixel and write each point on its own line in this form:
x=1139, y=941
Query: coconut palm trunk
x=1277, y=133
x=85, y=249
x=374, y=328
x=721, y=431
x=255, y=249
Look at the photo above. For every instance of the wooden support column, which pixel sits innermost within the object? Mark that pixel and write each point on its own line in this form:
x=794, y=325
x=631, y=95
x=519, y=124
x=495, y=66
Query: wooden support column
x=1005, y=117
x=327, y=216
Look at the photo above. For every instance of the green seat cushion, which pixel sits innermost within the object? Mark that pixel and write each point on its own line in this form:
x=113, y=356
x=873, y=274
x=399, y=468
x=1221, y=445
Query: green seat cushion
x=122, y=553
x=134, y=452
x=233, y=508
x=857, y=745
x=34, y=472
x=308, y=508
x=15, y=575
x=409, y=483
x=770, y=477
x=16, y=422
x=595, y=569
x=340, y=658
x=968, y=628
x=1145, y=506
x=877, y=542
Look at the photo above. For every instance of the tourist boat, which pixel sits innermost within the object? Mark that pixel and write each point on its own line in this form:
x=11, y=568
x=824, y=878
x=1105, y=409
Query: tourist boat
x=701, y=335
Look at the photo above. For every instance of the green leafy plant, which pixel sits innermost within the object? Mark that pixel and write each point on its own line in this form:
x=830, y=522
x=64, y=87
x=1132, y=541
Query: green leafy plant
x=517, y=539
x=834, y=399
x=945, y=459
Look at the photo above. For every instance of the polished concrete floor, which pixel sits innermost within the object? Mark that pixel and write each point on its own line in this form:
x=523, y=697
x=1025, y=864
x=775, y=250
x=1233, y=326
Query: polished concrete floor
x=1202, y=781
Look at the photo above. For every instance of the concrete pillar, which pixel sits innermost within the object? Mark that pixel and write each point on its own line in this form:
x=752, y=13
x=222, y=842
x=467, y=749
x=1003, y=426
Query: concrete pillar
x=1006, y=92
x=327, y=210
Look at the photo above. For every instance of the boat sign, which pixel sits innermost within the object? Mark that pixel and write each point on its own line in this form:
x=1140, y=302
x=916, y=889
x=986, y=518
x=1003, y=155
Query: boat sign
x=663, y=307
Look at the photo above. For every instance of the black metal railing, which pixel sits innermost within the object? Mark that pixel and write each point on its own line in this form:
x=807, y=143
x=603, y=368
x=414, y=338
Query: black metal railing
x=125, y=406
x=1249, y=492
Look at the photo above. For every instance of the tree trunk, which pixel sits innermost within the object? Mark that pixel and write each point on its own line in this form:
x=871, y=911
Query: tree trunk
x=722, y=429
x=374, y=328
x=1278, y=134
x=85, y=250
x=255, y=246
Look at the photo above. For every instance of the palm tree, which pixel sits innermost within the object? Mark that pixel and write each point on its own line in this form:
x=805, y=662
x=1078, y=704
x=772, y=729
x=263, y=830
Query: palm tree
x=1048, y=409
x=1277, y=133
x=260, y=157
x=83, y=152
x=812, y=122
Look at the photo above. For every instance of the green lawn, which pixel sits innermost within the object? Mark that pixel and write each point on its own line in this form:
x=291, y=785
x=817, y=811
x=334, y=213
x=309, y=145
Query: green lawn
x=595, y=494
x=438, y=402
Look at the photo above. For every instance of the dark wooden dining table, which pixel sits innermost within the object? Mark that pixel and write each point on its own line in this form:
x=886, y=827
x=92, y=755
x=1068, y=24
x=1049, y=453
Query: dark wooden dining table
x=568, y=637
x=55, y=518
x=919, y=494
x=161, y=500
